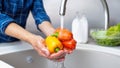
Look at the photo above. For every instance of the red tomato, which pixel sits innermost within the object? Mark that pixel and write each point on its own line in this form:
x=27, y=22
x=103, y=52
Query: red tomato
x=64, y=34
x=70, y=44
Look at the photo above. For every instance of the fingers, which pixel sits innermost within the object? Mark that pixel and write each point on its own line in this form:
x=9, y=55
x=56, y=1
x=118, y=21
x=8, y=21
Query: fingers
x=59, y=56
x=59, y=60
x=68, y=51
x=39, y=46
x=43, y=52
x=43, y=49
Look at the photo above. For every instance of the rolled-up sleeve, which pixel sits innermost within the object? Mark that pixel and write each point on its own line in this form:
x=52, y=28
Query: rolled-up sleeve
x=5, y=20
x=39, y=12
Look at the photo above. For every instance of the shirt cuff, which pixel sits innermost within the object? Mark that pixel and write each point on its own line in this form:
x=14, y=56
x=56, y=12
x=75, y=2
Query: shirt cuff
x=41, y=20
x=4, y=24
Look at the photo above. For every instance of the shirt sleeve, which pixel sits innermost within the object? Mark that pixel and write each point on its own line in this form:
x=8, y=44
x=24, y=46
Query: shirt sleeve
x=39, y=12
x=5, y=20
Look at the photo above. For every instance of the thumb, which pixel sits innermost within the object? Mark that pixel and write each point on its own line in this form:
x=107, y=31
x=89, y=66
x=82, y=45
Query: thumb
x=43, y=49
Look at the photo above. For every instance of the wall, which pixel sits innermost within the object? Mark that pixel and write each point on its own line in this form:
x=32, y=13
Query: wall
x=91, y=8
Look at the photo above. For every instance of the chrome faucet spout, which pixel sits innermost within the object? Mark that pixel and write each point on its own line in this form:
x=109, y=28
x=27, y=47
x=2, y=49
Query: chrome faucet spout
x=106, y=11
x=62, y=11
x=63, y=7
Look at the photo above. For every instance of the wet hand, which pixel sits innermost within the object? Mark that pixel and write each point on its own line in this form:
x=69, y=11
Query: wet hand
x=39, y=45
x=58, y=57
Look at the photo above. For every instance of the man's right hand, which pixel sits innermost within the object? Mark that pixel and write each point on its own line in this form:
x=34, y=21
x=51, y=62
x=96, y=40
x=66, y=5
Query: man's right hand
x=39, y=45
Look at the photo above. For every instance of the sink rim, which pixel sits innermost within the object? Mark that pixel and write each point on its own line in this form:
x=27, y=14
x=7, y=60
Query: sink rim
x=22, y=46
x=98, y=48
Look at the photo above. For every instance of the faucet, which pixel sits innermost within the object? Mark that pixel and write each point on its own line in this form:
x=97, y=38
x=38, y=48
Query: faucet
x=63, y=7
x=105, y=7
x=106, y=12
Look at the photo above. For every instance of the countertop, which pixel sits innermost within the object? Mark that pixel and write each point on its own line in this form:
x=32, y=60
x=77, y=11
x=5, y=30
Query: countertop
x=18, y=46
x=6, y=48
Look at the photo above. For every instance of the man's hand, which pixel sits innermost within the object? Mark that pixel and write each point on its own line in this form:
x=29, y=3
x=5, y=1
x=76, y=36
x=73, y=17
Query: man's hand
x=48, y=30
x=39, y=45
x=37, y=42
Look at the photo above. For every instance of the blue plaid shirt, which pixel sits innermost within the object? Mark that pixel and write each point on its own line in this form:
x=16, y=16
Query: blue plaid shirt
x=17, y=11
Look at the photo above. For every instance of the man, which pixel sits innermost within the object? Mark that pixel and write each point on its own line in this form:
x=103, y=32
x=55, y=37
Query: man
x=13, y=16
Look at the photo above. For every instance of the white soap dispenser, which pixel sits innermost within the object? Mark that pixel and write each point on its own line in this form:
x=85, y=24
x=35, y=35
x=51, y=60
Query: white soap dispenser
x=80, y=28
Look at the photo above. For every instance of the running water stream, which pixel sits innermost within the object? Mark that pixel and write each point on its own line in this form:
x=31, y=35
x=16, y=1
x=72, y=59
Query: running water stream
x=62, y=22
x=60, y=64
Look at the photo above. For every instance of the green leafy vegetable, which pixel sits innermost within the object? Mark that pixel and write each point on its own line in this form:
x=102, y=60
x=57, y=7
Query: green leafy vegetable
x=110, y=37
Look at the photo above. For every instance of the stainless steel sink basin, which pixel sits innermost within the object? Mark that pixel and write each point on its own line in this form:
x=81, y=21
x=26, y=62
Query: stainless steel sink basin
x=81, y=58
